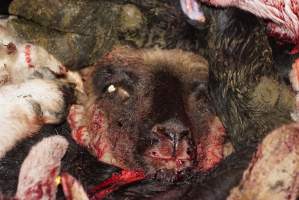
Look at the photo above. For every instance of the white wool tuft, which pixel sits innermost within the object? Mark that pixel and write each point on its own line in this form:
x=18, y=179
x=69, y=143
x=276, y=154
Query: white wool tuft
x=25, y=107
x=40, y=168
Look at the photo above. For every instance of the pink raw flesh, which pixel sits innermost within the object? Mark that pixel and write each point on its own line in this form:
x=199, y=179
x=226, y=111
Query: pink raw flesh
x=210, y=149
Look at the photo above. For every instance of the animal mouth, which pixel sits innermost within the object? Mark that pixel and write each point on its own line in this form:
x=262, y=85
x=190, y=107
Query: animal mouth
x=171, y=162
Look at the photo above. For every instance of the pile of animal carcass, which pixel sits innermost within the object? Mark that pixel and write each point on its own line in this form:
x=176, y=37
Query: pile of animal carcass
x=147, y=112
x=35, y=89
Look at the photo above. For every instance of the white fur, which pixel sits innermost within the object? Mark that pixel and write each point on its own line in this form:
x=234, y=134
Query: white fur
x=6, y=31
x=37, y=170
x=27, y=58
x=39, y=58
x=26, y=101
x=17, y=67
x=25, y=107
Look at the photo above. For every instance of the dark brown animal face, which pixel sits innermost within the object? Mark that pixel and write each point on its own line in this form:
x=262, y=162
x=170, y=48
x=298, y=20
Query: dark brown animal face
x=150, y=110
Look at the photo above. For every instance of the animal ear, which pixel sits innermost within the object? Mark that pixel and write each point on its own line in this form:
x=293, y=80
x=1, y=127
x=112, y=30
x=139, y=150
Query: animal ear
x=211, y=148
x=294, y=78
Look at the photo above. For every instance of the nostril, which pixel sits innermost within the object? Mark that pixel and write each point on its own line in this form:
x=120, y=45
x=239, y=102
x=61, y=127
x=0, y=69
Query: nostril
x=184, y=134
x=189, y=151
x=119, y=124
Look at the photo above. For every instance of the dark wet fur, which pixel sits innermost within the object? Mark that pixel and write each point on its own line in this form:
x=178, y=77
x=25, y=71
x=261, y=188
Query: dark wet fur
x=77, y=162
x=214, y=185
x=239, y=56
x=90, y=172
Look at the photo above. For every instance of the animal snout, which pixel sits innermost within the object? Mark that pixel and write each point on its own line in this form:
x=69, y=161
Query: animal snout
x=173, y=140
x=174, y=133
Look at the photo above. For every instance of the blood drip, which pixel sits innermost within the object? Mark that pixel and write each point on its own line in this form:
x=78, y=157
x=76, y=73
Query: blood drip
x=117, y=180
x=100, y=151
x=77, y=132
x=295, y=50
x=28, y=55
x=78, y=135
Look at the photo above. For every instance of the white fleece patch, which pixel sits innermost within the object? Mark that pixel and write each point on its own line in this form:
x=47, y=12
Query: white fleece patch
x=40, y=168
x=30, y=93
x=25, y=107
x=27, y=58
